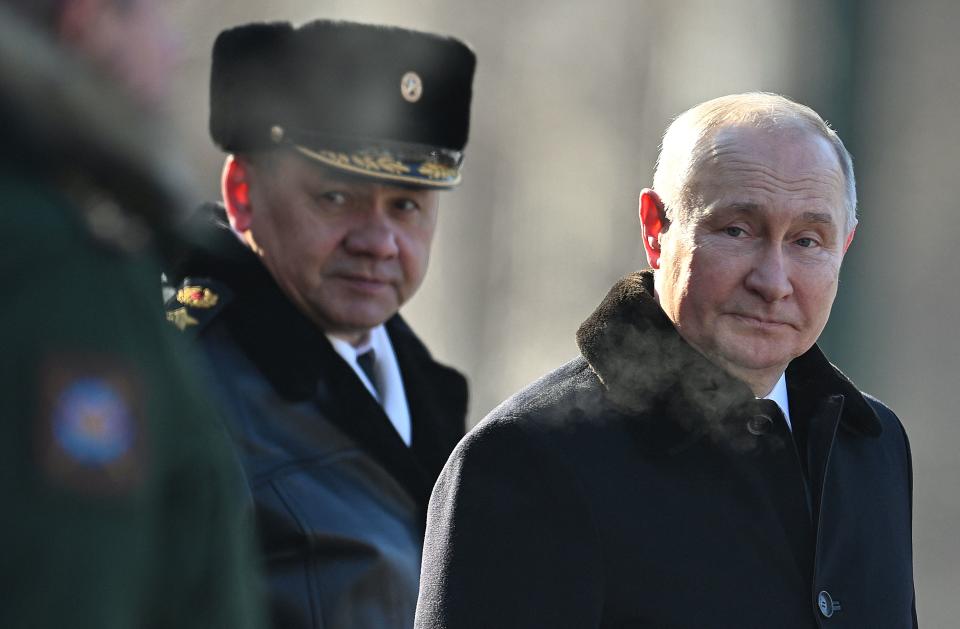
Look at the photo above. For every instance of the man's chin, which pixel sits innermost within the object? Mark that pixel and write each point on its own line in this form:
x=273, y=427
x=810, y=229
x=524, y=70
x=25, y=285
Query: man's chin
x=755, y=357
x=360, y=320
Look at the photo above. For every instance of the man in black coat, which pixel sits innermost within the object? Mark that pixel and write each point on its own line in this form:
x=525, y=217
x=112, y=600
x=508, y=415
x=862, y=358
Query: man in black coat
x=340, y=137
x=701, y=464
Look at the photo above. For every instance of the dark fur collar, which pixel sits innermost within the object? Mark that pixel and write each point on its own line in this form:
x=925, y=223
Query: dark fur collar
x=642, y=361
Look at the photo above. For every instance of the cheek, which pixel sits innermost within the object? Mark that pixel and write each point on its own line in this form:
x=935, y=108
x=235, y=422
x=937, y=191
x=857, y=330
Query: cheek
x=415, y=255
x=675, y=260
x=708, y=270
x=818, y=295
x=709, y=285
x=818, y=275
x=297, y=243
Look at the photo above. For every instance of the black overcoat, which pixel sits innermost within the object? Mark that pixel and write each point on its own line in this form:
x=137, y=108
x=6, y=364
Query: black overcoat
x=340, y=501
x=640, y=486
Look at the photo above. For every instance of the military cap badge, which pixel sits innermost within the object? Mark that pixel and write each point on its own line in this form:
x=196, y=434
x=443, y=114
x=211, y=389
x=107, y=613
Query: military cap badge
x=411, y=86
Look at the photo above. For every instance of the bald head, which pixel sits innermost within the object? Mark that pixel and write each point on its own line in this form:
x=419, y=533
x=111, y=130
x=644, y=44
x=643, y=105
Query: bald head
x=689, y=143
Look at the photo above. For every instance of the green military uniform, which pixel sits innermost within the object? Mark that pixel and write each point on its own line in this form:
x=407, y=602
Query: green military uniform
x=121, y=501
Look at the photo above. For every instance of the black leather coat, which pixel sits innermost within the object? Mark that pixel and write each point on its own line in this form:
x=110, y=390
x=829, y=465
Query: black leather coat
x=340, y=500
x=640, y=486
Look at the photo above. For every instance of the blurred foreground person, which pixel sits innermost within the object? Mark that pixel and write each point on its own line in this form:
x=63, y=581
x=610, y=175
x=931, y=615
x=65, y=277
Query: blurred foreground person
x=701, y=464
x=121, y=498
x=341, y=137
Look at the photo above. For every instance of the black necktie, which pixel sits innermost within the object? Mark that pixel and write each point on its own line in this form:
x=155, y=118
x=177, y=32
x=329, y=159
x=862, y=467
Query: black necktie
x=366, y=361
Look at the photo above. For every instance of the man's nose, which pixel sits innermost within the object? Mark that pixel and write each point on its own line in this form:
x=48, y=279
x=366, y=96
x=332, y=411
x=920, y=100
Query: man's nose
x=770, y=275
x=373, y=234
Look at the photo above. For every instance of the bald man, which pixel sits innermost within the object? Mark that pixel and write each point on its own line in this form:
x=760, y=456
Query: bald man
x=701, y=464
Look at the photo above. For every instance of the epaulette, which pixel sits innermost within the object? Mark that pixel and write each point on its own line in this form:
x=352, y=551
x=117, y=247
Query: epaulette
x=196, y=302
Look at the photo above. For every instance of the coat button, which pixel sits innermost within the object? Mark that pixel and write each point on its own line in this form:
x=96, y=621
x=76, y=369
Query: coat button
x=826, y=604
x=759, y=424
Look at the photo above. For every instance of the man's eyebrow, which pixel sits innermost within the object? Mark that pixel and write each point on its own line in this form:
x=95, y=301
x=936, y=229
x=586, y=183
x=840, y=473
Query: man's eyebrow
x=744, y=206
x=737, y=207
x=818, y=217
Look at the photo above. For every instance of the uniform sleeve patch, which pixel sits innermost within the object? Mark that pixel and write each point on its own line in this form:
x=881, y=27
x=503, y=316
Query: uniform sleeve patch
x=92, y=430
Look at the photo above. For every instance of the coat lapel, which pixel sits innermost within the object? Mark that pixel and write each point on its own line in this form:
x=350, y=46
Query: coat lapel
x=437, y=396
x=343, y=400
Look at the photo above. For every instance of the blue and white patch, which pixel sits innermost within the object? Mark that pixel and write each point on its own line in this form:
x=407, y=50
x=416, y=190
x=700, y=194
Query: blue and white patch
x=92, y=423
x=91, y=432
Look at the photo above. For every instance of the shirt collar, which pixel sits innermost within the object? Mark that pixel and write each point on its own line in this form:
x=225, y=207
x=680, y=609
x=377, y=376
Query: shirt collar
x=779, y=395
x=349, y=351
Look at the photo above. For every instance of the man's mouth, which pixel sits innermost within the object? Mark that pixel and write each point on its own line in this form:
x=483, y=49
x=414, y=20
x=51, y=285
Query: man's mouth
x=364, y=282
x=761, y=322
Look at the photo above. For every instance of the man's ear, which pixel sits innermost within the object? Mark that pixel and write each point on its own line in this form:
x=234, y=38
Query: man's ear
x=653, y=222
x=846, y=244
x=235, y=187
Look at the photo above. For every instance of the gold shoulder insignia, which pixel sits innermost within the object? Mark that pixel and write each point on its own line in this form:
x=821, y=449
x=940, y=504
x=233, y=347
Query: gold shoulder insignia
x=197, y=297
x=181, y=318
x=196, y=303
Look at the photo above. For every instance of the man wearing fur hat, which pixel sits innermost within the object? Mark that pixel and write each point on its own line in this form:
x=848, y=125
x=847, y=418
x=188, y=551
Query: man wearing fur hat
x=340, y=137
x=701, y=464
x=113, y=517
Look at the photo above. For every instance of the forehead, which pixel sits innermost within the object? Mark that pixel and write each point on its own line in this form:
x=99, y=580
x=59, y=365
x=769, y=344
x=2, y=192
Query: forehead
x=771, y=169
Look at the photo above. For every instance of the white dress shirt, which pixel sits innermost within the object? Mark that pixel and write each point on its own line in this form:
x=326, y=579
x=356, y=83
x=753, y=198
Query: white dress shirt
x=389, y=390
x=779, y=395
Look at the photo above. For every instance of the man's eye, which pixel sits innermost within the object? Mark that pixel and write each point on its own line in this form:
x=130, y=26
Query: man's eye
x=336, y=198
x=406, y=205
x=806, y=242
x=736, y=232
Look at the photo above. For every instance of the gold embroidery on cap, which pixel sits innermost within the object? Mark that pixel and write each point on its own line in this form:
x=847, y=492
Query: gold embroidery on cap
x=364, y=161
x=436, y=171
x=428, y=174
x=382, y=163
x=341, y=159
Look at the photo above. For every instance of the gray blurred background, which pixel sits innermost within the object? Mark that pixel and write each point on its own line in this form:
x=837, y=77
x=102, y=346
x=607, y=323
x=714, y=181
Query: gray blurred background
x=570, y=101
